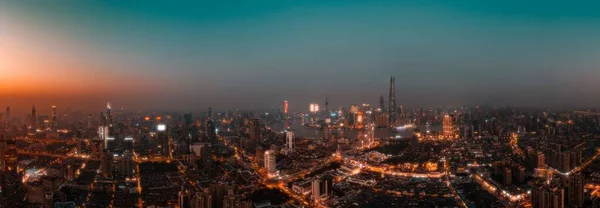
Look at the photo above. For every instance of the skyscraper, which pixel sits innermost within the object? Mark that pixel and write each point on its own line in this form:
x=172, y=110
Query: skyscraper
x=381, y=104
x=184, y=198
x=163, y=139
x=575, y=190
x=103, y=135
x=285, y=107
x=270, y=162
x=289, y=139
x=54, y=117
x=255, y=131
x=33, y=118
x=326, y=105
x=392, y=101
x=108, y=114
x=3, y=149
x=211, y=130
x=322, y=187
x=448, y=126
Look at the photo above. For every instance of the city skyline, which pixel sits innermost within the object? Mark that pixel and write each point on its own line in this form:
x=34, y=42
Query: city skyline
x=188, y=56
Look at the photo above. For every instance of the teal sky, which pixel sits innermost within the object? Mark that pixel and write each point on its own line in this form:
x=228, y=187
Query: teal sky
x=226, y=54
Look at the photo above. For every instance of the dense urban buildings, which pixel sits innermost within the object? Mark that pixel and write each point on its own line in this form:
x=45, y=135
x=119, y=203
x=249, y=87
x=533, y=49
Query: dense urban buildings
x=342, y=157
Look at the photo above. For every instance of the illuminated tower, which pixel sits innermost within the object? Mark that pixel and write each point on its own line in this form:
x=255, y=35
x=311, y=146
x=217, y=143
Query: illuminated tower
x=54, y=119
x=163, y=139
x=285, y=107
x=33, y=118
x=108, y=114
x=103, y=135
x=448, y=126
x=392, y=102
x=289, y=139
x=270, y=162
x=381, y=104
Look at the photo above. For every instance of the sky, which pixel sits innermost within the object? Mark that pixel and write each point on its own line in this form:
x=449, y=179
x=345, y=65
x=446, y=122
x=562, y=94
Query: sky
x=188, y=55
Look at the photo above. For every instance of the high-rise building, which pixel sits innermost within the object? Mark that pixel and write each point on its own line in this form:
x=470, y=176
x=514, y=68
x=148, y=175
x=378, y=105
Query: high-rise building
x=33, y=118
x=285, y=107
x=211, y=130
x=260, y=156
x=381, y=103
x=545, y=197
x=184, y=199
x=575, y=190
x=107, y=165
x=255, y=131
x=202, y=200
x=326, y=105
x=270, y=162
x=3, y=150
x=540, y=160
x=54, y=118
x=507, y=176
x=163, y=139
x=49, y=200
x=103, y=135
x=97, y=148
x=565, y=165
x=231, y=200
x=109, y=118
x=289, y=139
x=392, y=101
x=210, y=113
x=322, y=188
x=448, y=126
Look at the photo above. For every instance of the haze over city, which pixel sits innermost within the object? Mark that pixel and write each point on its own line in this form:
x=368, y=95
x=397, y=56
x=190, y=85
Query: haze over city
x=190, y=55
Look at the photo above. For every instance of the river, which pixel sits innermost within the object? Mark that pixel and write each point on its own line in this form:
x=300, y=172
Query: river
x=303, y=131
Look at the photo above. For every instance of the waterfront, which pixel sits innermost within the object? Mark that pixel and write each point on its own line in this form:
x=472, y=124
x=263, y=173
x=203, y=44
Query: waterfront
x=308, y=132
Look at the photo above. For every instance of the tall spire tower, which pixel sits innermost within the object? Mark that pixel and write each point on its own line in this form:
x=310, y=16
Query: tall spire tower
x=326, y=104
x=392, y=104
x=108, y=114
